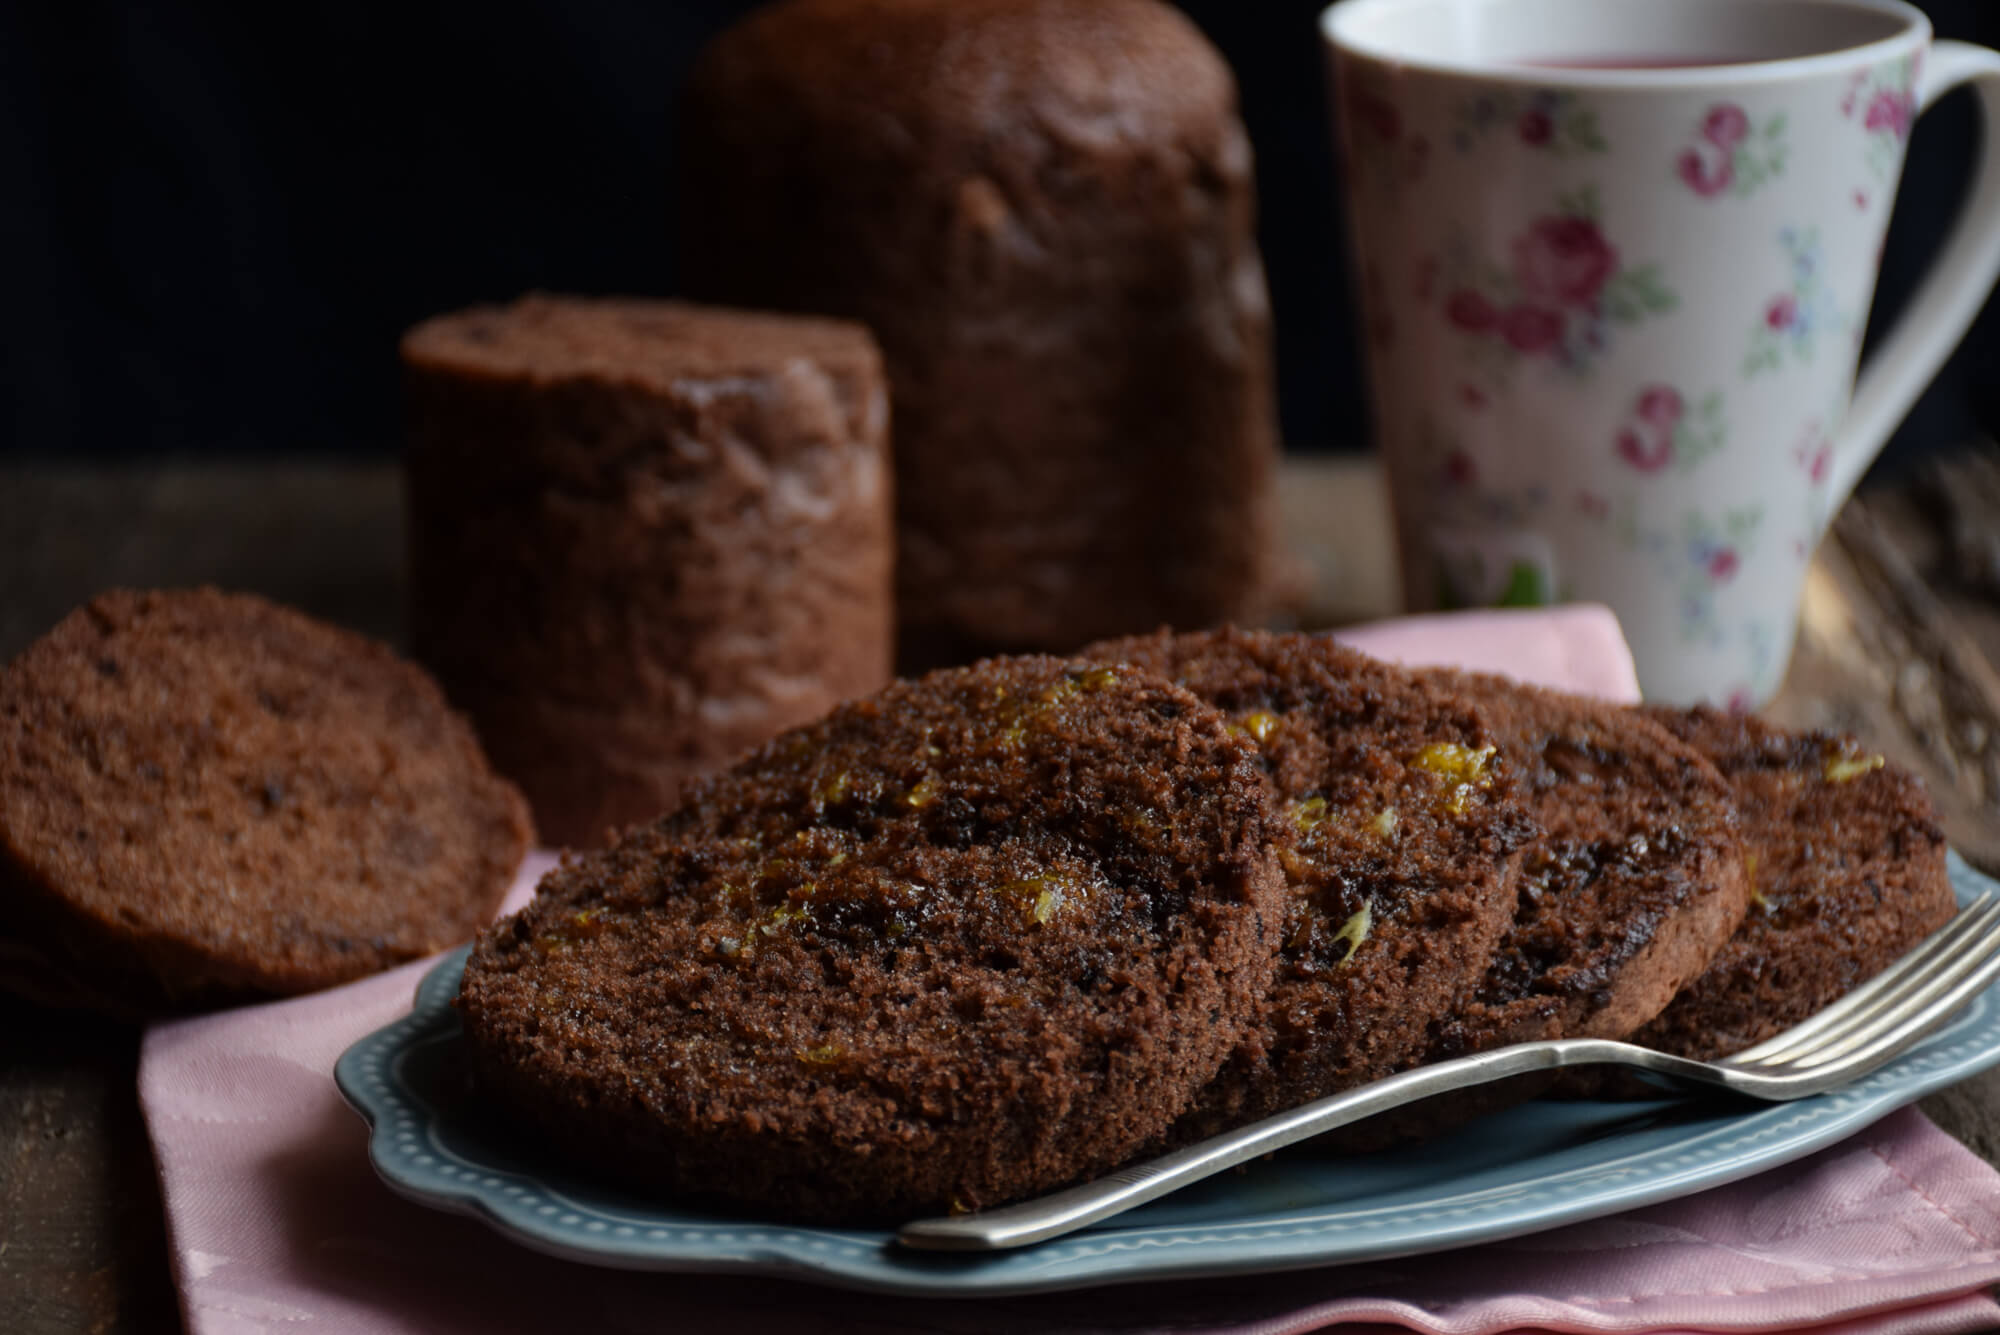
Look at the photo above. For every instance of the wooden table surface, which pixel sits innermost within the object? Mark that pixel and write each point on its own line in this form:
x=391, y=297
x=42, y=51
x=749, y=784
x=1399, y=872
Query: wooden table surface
x=1899, y=643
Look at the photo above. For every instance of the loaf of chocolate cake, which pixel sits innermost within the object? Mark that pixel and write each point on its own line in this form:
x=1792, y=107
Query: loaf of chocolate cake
x=1044, y=210
x=644, y=537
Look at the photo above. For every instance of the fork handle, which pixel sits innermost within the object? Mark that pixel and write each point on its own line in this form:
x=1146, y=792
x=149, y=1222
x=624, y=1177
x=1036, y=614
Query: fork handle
x=1064, y=1211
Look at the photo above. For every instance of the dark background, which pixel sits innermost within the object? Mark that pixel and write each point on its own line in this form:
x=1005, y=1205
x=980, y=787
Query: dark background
x=217, y=218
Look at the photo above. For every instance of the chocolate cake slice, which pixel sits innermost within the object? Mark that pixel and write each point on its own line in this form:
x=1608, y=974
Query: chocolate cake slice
x=208, y=798
x=1403, y=828
x=965, y=940
x=1635, y=881
x=1847, y=872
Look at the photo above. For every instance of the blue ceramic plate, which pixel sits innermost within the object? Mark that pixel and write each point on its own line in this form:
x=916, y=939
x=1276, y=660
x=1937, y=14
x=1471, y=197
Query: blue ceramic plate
x=1530, y=1168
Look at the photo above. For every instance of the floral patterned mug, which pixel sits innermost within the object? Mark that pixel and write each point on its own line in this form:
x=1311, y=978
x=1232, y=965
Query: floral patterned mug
x=1615, y=259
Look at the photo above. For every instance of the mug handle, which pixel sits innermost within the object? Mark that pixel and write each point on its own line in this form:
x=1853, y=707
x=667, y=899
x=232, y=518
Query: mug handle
x=1951, y=293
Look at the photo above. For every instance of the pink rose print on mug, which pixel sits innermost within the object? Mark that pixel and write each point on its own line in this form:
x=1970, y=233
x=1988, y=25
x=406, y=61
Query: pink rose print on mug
x=1714, y=551
x=1452, y=462
x=1380, y=153
x=1471, y=311
x=1891, y=110
x=1531, y=329
x=1729, y=155
x=1373, y=115
x=1563, y=262
x=1646, y=441
x=1883, y=101
x=1563, y=287
x=1726, y=124
x=1813, y=455
x=1704, y=556
x=1660, y=432
x=1545, y=120
x=1815, y=462
x=1792, y=319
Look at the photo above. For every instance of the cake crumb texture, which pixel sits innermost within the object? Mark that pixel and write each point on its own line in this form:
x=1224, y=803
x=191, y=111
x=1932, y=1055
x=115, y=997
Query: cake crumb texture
x=1635, y=881
x=1401, y=828
x=207, y=798
x=1847, y=872
x=966, y=940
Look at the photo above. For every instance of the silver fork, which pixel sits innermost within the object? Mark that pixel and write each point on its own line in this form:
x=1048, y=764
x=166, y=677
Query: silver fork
x=1847, y=1040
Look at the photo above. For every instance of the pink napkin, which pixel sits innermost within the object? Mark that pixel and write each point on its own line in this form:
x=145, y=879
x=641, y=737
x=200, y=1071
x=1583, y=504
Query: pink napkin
x=277, y=1222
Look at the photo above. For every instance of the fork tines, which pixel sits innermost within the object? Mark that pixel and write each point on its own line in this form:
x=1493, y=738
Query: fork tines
x=1923, y=987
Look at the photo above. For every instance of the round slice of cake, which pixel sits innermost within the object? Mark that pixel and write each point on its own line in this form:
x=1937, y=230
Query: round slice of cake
x=207, y=798
x=1634, y=883
x=1403, y=827
x=966, y=940
x=1847, y=872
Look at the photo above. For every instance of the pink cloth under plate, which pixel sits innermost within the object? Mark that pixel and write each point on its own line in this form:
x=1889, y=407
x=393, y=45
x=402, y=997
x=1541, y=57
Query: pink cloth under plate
x=277, y=1223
